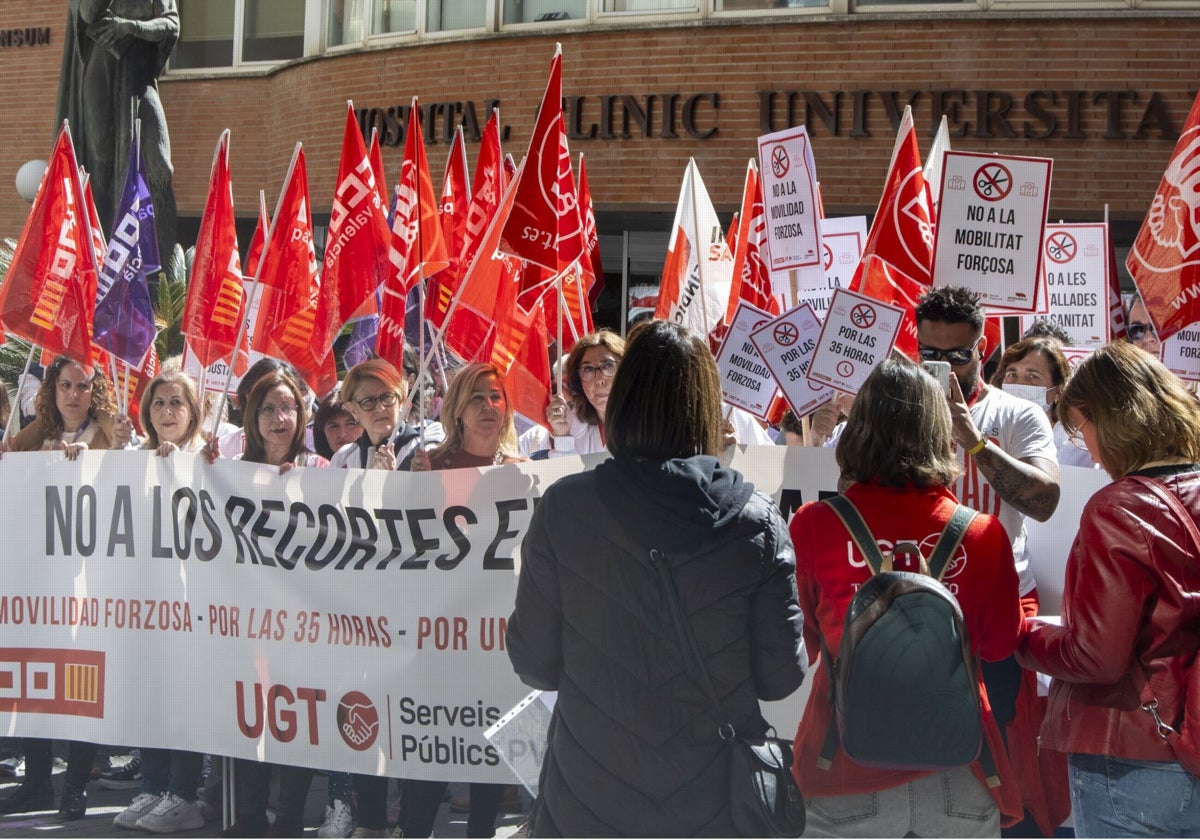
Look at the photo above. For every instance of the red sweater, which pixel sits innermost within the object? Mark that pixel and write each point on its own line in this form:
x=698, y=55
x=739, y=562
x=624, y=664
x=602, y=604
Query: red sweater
x=830, y=568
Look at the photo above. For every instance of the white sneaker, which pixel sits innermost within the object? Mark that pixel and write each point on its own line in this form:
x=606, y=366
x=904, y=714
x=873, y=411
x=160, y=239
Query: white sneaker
x=171, y=814
x=339, y=822
x=141, y=805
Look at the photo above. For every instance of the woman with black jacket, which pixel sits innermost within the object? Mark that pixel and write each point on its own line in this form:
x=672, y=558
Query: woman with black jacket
x=634, y=747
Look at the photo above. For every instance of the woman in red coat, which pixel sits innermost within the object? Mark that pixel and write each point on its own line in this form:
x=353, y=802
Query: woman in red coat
x=896, y=455
x=1131, y=603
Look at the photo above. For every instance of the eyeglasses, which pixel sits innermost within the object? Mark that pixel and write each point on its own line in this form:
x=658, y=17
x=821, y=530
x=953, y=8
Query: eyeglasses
x=606, y=368
x=1136, y=331
x=269, y=410
x=387, y=400
x=1076, y=436
x=957, y=357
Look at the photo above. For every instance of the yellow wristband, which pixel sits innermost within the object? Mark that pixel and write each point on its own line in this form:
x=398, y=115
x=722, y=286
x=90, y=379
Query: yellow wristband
x=977, y=448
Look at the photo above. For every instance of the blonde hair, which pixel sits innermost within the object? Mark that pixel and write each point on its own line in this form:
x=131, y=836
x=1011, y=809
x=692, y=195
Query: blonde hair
x=455, y=405
x=1140, y=410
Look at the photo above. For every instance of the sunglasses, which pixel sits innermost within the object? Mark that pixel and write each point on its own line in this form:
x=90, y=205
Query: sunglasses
x=1136, y=331
x=957, y=357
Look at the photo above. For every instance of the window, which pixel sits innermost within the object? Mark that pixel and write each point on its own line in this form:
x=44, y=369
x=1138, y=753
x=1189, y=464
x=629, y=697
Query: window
x=353, y=21
x=205, y=34
x=540, y=11
x=226, y=33
x=650, y=5
x=761, y=5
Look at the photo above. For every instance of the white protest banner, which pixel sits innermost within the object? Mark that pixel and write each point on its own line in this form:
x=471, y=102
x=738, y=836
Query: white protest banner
x=388, y=595
x=786, y=346
x=340, y=619
x=1075, y=269
x=789, y=182
x=842, y=241
x=746, y=382
x=989, y=232
x=857, y=335
x=1181, y=353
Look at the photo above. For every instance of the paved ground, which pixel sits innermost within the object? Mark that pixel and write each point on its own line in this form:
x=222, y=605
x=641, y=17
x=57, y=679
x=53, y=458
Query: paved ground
x=103, y=805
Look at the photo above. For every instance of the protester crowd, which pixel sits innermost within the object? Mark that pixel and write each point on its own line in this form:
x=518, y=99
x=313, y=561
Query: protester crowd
x=695, y=600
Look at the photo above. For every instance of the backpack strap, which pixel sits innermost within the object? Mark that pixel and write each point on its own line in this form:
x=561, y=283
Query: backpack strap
x=863, y=538
x=951, y=538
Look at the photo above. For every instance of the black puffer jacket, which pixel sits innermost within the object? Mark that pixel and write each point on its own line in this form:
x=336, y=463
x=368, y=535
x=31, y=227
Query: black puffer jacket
x=634, y=749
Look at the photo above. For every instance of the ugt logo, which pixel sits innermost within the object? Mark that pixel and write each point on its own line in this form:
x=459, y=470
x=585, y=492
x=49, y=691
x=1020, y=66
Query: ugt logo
x=357, y=720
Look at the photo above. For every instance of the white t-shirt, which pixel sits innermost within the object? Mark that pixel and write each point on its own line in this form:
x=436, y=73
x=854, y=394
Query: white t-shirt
x=1021, y=429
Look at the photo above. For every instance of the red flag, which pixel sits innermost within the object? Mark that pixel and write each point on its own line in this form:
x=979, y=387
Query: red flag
x=527, y=376
x=288, y=327
x=356, y=251
x=1165, y=257
x=591, y=235
x=876, y=279
x=544, y=226
x=993, y=334
x=418, y=249
x=487, y=296
x=897, y=260
x=486, y=193
x=45, y=298
x=99, y=243
x=258, y=241
x=376, y=155
x=902, y=231
x=456, y=196
x=216, y=305
x=751, y=278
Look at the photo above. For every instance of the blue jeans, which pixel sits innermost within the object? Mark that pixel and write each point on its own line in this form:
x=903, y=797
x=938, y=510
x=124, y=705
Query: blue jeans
x=1121, y=797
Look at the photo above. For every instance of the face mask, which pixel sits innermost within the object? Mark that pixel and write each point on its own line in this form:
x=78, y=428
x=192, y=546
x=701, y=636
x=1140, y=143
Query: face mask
x=1034, y=393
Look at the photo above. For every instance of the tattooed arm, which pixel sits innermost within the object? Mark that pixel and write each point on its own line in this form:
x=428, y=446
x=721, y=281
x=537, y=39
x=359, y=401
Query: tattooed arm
x=1030, y=485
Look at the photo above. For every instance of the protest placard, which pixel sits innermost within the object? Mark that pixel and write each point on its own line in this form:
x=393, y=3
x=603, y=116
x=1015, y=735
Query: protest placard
x=746, y=382
x=1075, y=270
x=857, y=335
x=789, y=182
x=841, y=248
x=1181, y=353
x=786, y=346
x=990, y=220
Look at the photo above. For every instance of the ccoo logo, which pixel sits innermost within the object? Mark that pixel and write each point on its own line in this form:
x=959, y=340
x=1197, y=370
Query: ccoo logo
x=357, y=720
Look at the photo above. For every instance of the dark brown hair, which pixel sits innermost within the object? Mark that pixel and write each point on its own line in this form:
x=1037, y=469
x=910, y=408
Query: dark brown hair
x=1060, y=370
x=898, y=431
x=666, y=398
x=572, y=381
x=255, y=450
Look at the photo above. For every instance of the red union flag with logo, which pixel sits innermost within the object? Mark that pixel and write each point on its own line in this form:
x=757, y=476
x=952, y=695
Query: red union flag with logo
x=544, y=226
x=1165, y=258
x=215, y=306
x=50, y=292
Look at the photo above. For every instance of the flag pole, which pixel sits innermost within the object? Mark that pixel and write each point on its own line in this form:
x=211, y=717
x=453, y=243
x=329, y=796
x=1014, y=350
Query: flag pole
x=699, y=250
x=237, y=344
x=15, y=413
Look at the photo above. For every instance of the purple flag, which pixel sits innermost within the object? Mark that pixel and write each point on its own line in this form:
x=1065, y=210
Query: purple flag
x=124, y=322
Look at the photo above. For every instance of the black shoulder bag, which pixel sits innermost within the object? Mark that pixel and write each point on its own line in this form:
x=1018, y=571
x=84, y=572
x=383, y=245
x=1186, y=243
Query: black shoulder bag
x=763, y=798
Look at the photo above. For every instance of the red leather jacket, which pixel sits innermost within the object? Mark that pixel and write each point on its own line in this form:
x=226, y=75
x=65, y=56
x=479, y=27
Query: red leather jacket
x=1131, y=614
